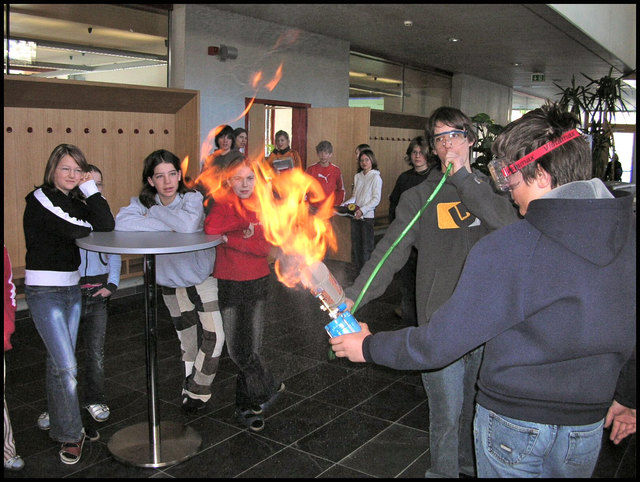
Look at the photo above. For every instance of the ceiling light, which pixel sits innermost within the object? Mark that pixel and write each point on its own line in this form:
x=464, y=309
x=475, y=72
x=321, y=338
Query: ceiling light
x=21, y=50
x=408, y=23
x=516, y=64
x=453, y=39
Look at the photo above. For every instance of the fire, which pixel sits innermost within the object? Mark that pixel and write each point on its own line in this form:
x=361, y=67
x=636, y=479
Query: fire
x=294, y=214
x=209, y=143
x=291, y=205
x=276, y=78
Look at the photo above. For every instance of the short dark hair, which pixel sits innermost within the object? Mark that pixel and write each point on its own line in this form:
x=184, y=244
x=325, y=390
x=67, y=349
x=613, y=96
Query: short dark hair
x=422, y=143
x=567, y=163
x=324, y=146
x=281, y=133
x=451, y=117
x=239, y=130
x=226, y=131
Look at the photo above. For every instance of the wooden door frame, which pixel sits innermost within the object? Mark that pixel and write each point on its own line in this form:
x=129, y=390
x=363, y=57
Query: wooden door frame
x=299, y=118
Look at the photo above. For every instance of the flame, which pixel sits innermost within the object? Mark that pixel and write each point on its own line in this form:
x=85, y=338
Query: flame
x=209, y=143
x=294, y=212
x=184, y=165
x=291, y=205
x=276, y=78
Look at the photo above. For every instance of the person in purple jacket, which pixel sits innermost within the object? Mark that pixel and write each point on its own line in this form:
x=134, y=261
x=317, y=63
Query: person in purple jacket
x=541, y=295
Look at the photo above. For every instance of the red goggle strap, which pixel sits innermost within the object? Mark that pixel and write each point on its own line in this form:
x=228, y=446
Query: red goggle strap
x=539, y=152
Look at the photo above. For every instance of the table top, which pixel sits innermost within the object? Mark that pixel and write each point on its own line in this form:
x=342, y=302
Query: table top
x=147, y=242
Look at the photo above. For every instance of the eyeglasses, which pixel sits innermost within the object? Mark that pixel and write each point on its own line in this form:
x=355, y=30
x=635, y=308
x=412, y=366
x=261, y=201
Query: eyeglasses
x=454, y=138
x=67, y=170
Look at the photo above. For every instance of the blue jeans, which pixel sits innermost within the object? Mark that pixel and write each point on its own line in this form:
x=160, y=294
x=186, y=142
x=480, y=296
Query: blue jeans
x=451, y=394
x=362, y=241
x=55, y=311
x=242, y=305
x=93, y=328
x=507, y=447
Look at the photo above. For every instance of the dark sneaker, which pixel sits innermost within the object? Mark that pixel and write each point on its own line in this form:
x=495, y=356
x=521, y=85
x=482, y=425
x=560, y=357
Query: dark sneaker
x=266, y=405
x=191, y=405
x=92, y=434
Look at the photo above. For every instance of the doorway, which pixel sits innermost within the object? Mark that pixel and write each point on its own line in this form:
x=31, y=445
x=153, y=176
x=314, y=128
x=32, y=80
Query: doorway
x=266, y=117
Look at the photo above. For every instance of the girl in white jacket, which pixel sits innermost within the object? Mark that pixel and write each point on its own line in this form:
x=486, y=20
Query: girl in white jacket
x=367, y=191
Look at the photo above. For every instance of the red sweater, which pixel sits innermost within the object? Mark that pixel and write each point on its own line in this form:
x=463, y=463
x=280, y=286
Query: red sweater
x=239, y=259
x=330, y=178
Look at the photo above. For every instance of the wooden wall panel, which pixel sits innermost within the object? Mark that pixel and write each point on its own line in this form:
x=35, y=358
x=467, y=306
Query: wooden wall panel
x=255, y=142
x=389, y=145
x=41, y=114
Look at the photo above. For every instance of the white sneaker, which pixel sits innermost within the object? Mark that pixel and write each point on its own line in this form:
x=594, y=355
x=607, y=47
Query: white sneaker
x=43, y=421
x=99, y=412
x=14, y=463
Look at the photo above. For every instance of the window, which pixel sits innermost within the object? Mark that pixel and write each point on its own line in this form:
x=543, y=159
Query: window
x=92, y=42
x=393, y=87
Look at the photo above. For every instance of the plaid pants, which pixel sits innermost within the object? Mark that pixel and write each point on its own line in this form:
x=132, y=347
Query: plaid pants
x=196, y=317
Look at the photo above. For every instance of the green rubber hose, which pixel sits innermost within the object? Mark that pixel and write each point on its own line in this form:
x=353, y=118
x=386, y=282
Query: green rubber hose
x=397, y=241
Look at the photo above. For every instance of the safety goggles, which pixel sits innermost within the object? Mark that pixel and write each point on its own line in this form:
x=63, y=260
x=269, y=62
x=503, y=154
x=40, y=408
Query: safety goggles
x=453, y=138
x=502, y=170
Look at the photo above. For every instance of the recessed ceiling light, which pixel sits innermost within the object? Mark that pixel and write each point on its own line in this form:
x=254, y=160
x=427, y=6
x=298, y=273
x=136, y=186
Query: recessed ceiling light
x=408, y=23
x=516, y=64
x=453, y=39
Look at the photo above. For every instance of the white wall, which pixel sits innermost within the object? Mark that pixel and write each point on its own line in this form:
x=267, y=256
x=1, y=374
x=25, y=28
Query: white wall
x=315, y=68
x=613, y=26
x=473, y=95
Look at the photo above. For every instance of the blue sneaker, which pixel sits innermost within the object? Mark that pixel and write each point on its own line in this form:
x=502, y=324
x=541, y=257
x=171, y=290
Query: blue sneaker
x=43, y=421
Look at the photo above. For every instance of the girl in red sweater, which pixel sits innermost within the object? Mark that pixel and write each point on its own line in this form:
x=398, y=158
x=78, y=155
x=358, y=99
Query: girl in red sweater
x=242, y=271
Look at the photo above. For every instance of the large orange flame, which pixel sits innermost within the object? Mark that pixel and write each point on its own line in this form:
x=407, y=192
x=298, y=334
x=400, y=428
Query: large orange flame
x=294, y=212
x=291, y=205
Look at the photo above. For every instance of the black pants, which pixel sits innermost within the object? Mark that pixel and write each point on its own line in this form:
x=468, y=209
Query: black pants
x=362, y=241
x=242, y=305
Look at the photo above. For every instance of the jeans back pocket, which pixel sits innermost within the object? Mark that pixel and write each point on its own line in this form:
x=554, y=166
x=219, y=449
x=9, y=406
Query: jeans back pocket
x=509, y=442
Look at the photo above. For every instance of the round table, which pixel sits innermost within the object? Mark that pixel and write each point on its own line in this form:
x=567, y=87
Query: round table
x=153, y=443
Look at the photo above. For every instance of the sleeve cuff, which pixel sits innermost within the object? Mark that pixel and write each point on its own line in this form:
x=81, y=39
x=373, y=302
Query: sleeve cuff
x=366, y=350
x=88, y=188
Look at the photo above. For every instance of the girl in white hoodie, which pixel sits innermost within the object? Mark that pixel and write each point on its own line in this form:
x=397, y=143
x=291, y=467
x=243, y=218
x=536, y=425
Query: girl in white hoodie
x=367, y=191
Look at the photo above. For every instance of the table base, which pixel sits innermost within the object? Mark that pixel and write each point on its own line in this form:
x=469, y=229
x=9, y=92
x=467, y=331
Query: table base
x=131, y=444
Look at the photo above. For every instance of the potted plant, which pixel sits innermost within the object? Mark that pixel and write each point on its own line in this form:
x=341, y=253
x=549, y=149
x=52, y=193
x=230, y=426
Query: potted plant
x=487, y=131
x=596, y=104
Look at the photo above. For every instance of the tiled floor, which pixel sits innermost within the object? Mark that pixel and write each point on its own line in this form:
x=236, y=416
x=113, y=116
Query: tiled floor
x=335, y=418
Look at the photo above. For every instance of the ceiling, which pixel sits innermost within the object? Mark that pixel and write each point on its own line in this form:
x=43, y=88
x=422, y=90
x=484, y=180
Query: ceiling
x=492, y=37
x=501, y=43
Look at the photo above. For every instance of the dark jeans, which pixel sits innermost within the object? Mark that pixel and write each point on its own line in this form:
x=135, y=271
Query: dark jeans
x=55, y=311
x=93, y=328
x=362, y=241
x=407, y=278
x=242, y=305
